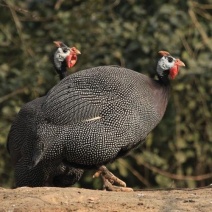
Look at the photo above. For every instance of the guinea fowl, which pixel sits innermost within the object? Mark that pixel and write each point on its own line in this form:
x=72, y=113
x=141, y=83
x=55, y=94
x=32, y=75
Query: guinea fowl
x=22, y=134
x=95, y=116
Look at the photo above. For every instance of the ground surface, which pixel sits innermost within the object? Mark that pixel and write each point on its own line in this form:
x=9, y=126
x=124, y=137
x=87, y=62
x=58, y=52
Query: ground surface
x=75, y=199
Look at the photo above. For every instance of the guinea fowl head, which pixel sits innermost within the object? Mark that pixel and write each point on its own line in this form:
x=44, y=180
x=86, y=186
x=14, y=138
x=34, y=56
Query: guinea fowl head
x=64, y=57
x=168, y=66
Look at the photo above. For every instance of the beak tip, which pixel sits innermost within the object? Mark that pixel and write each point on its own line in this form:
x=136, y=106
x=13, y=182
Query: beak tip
x=75, y=50
x=182, y=63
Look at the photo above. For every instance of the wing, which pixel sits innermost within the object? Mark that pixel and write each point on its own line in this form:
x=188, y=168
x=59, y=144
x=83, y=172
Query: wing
x=83, y=95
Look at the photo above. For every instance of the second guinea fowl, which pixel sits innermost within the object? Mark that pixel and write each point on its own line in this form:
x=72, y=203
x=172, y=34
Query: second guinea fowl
x=97, y=115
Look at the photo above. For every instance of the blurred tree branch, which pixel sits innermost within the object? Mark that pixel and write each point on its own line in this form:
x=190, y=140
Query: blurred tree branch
x=135, y=173
x=206, y=40
x=18, y=26
x=176, y=176
x=14, y=93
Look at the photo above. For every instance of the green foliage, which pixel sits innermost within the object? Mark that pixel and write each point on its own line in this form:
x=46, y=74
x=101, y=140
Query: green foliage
x=127, y=33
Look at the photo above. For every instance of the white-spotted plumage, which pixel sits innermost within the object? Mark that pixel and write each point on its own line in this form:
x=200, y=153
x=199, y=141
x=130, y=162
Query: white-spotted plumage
x=88, y=119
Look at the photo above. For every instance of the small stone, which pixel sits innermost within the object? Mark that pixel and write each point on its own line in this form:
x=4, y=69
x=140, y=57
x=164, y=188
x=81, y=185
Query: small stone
x=140, y=195
x=189, y=200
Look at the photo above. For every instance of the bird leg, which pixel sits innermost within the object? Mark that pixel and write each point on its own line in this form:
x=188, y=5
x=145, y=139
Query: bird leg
x=109, y=179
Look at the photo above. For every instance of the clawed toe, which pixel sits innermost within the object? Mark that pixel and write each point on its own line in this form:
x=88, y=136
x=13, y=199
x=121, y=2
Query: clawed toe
x=109, y=179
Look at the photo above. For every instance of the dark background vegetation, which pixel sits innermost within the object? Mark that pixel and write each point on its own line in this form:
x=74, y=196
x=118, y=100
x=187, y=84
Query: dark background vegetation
x=178, y=153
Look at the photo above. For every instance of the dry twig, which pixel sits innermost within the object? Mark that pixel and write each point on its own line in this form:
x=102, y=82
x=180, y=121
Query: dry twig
x=14, y=93
x=176, y=176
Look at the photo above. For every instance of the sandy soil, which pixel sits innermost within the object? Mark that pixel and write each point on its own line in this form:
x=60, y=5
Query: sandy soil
x=75, y=199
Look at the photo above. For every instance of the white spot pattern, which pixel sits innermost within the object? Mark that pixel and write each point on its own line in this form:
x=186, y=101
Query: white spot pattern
x=88, y=119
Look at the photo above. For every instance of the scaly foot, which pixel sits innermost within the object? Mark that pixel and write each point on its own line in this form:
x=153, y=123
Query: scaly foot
x=109, y=179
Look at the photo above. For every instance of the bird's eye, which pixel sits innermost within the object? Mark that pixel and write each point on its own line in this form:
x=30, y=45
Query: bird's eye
x=170, y=59
x=65, y=50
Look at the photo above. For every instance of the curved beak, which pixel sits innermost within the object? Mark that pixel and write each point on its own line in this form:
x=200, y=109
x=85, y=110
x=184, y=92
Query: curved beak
x=74, y=50
x=178, y=62
x=77, y=51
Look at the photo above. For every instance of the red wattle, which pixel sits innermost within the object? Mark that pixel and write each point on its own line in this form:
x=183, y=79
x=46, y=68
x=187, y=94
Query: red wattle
x=71, y=60
x=173, y=72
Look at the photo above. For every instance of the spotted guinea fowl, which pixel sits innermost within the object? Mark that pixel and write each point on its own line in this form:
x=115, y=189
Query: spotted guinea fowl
x=97, y=115
x=23, y=134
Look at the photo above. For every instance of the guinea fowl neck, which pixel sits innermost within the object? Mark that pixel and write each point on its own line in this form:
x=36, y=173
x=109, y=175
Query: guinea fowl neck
x=60, y=68
x=164, y=79
x=62, y=71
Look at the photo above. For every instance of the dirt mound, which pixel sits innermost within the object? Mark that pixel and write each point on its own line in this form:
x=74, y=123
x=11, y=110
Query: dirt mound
x=75, y=199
